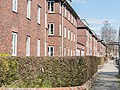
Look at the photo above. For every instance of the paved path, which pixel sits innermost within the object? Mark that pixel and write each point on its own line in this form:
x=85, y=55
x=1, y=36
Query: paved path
x=107, y=79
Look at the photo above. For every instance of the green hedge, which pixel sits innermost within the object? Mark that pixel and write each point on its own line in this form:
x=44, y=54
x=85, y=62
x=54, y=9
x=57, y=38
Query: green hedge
x=33, y=72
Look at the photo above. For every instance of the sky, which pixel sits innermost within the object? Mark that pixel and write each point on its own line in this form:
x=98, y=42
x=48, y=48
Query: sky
x=95, y=12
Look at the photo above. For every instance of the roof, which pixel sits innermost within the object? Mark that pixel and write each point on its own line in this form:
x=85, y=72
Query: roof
x=71, y=9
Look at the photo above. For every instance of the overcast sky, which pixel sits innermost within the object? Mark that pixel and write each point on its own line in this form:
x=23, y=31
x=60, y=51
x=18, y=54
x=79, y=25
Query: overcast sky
x=97, y=11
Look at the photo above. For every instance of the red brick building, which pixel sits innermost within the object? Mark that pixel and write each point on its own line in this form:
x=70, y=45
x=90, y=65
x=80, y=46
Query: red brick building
x=22, y=27
x=87, y=41
x=85, y=37
x=62, y=28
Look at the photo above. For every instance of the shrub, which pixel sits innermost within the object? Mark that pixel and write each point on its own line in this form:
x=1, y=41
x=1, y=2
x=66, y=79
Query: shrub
x=34, y=72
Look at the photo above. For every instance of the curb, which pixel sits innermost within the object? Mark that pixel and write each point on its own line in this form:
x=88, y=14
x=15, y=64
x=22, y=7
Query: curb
x=86, y=86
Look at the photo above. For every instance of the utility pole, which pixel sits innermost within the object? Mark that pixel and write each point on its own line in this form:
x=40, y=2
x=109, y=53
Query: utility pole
x=119, y=51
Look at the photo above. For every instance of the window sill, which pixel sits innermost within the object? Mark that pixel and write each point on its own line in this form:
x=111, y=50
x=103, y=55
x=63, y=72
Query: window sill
x=15, y=12
x=39, y=24
x=29, y=18
x=51, y=12
x=50, y=34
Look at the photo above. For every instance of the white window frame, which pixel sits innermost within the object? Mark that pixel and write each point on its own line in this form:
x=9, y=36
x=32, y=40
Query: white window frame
x=74, y=37
x=60, y=29
x=28, y=8
x=28, y=46
x=60, y=7
x=71, y=53
x=68, y=34
x=69, y=16
x=65, y=11
x=39, y=15
x=65, y=30
x=46, y=24
x=60, y=51
x=71, y=36
x=49, y=7
x=49, y=51
x=14, y=6
x=14, y=44
x=38, y=47
x=68, y=52
x=49, y=29
x=64, y=51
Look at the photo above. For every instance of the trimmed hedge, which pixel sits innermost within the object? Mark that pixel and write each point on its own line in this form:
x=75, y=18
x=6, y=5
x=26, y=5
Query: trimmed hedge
x=34, y=72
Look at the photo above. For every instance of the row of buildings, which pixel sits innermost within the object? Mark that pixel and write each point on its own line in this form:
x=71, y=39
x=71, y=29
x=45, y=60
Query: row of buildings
x=45, y=28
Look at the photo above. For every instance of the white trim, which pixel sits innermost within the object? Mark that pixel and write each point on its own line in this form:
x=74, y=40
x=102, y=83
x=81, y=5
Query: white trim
x=65, y=30
x=27, y=46
x=64, y=51
x=38, y=47
x=49, y=51
x=60, y=29
x=14, y=44
x=49, y=9
x=68, y=34
x=60, y=7
x=28, y=8
x=14, y=6
x=49, y=28
x=39, y=15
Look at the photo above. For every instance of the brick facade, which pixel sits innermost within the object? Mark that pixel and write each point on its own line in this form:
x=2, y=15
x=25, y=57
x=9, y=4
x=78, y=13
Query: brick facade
x=60, y=30
x=60, y=36
x=89, y=40
x=17, y=22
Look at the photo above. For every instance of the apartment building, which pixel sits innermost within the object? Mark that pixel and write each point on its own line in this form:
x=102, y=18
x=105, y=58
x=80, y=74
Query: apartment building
x=88, y=41
x=101, y=48
x=94, y=45
x=85, y=37
x=62, y=28
x=23, y=27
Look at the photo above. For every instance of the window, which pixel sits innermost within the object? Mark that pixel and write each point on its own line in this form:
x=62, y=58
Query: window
x=45, y=48
x=51, y=29
x=60, y=8
x=50, y=50
x=65, y=32
x=69, y=34
x=60, y=29
x=38, y=47
x=64, y=51
x=51, y=6
x=71, y=52
x=28, y=8
x=14, y=44
x=69, y=16
x=74, y=38
x=60, y=51
x=28, y=46
x=65, y=12
x=74, y=53
x=68, y=52
x=46, y=25
x=39, y=9
x=14, y=7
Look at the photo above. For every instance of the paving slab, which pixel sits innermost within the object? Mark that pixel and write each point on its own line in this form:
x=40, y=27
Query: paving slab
x=107, y=77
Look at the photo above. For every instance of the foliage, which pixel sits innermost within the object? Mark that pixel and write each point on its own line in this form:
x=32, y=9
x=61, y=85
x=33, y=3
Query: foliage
x=34, y=72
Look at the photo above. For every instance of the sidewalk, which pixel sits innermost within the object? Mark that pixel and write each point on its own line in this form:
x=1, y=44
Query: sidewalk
x=107, y=79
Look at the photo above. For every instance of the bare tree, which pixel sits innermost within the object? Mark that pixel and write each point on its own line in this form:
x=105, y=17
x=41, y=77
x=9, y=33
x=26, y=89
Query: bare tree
x=108, y=33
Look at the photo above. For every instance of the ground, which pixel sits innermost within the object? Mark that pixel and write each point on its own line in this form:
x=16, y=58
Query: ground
x=107, y=79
